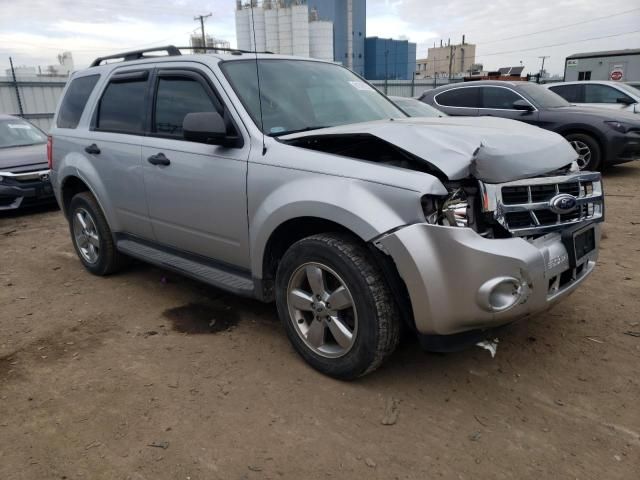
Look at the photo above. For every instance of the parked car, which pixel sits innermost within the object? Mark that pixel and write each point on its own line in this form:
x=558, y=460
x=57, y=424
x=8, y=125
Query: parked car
x=614, y=95
x=415, y=108
x=635, y=85
x=601, y=137
x=24, y=173
x=316, y=192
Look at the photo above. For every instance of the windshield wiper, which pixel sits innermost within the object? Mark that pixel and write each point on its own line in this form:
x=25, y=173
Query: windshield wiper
x=305, y=129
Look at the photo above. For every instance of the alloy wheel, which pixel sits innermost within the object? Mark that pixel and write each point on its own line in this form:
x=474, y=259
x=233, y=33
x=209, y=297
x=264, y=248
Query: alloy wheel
x=86, y=235
x=322, y=310
x=584, y=153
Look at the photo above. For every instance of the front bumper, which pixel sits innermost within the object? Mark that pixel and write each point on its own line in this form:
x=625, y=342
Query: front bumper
x=624, y=148
x=448, y=271
x=23, y=189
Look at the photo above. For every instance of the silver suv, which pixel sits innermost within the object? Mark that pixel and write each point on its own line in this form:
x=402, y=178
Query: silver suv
x=293, y=180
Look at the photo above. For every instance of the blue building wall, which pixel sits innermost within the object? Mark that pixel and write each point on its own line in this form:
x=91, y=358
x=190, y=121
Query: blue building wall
x=336, y=11
x=388, y=58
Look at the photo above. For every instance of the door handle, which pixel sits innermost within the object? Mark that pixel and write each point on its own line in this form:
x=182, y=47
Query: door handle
x=158, y=159
x=92, y=149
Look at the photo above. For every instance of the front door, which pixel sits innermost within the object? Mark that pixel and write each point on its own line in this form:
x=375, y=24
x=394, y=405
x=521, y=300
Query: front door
x=197, y=193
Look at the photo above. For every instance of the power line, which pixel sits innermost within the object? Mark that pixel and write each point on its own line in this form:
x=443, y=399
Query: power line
x=559, y=27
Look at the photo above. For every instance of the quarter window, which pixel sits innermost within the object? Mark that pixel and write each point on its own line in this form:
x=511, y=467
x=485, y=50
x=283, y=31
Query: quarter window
x=122, y=107
x=468, y=97
x=75, y=100
x=176, y=97
x=595, y=93
x=497, y=97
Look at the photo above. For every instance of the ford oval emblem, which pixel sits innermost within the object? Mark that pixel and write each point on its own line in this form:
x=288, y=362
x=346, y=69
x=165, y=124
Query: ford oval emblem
x=563, y=203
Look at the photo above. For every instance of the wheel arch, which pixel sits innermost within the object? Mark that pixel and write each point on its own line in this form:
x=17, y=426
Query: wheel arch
x=589, y=131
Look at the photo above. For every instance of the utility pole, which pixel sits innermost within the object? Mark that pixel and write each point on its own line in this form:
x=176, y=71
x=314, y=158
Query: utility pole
x=542, y=67
x=201, y=18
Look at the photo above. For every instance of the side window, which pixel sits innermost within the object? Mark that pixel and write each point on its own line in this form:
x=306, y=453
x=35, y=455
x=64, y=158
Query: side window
x=571, y=93
x=122, y=106
x=75, y=100
x=595, y=93
x=497, y=97
x=175, y=98
x=468, y=97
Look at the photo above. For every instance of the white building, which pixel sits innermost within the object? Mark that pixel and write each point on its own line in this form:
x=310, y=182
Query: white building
x=271, y=26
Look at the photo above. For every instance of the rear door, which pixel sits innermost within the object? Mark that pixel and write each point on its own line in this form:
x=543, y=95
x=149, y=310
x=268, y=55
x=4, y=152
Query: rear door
x=497, y=101
x=572, y=93
x=606, y=96
x=113, y=147
x=463, y=100
x=197, y=201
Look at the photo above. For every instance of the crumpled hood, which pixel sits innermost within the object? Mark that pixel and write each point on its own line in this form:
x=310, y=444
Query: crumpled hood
x=493, y=150
x=23, y=159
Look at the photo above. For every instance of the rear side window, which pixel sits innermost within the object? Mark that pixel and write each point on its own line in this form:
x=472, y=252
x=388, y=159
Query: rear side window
x=122, y=106
x=498, y=97
x=571, y=93
x=75, y=100
x=176, y=97
x=460, y=97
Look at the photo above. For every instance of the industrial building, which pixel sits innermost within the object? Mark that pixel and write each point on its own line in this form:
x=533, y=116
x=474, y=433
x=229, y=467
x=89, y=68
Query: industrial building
x=195, y=41
x=616, y=65
x=332, y=30
x=447, y=61
x=389, y=59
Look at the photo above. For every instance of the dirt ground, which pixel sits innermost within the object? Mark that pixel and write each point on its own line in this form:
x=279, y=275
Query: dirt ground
x=147, y=375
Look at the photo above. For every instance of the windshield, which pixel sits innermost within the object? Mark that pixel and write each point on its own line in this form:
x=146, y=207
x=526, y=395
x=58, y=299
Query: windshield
x=416, y=108
x=304, y=95
x=635, y=87
x=628, y=89
x=542, y=98
x=15, y=132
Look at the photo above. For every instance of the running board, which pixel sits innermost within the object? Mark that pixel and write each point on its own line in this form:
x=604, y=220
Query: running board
x=217, y=277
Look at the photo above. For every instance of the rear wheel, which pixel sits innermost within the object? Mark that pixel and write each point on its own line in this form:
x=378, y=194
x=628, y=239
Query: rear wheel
x=92, y=237
x=336, y=307
x=588, y=150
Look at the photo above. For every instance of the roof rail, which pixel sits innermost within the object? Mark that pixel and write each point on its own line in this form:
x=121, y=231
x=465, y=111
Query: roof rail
x=137, y=54
x=171, y=52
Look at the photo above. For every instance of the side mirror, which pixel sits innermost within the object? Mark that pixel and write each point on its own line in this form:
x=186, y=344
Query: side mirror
x=209, y=128
x=522, y=105
x=625, y=100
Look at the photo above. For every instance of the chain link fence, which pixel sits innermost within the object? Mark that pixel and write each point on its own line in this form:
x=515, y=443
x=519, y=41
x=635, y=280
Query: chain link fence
x=410, y=88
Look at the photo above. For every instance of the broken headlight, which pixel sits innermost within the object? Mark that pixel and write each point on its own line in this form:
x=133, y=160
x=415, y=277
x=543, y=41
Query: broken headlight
x=452, y=210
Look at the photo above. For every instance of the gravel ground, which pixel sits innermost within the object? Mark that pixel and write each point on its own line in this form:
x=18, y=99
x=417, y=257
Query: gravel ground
x=147, y=375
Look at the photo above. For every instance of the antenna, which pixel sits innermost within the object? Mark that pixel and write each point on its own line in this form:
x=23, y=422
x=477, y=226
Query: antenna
x=253, y=27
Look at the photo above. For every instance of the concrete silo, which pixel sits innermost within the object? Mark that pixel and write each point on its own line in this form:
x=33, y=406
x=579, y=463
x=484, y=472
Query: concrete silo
x=257, y=22
x=284, y=31
x=300, y=30
x=272, y=43
x=321, y=40
x=243, y=30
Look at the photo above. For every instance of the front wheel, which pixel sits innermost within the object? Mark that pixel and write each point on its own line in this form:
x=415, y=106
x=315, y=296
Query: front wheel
x=336, y=306
x=588, y=150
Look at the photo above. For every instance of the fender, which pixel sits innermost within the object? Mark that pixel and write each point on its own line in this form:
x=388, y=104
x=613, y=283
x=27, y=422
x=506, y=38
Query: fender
x=366, y=208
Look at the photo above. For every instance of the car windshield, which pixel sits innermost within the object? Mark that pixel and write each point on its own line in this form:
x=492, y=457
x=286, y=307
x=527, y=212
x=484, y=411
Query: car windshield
x=299, y=95
x=542, y=98
x=15, y=132
x=416, y=108
x=628, y=89
x=635, y=87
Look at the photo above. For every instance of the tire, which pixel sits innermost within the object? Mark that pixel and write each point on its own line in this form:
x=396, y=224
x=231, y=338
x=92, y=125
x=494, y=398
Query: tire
x=585, y=145
x=349, y=278
x=96, y=249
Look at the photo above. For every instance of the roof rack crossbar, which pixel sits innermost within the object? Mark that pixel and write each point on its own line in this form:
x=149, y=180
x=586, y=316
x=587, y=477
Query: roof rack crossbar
x=137, y=54
x=171, y=51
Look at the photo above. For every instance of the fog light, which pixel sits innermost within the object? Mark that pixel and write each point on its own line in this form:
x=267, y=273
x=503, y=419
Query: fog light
x=502, y=293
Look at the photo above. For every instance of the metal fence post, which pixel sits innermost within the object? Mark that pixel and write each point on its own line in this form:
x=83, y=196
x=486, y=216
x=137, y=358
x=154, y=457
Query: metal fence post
x=15, y=85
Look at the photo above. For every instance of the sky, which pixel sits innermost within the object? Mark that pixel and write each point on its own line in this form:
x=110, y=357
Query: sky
x=506, y=32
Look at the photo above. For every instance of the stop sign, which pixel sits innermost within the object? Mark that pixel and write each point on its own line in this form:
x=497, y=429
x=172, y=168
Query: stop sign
x=616, y=75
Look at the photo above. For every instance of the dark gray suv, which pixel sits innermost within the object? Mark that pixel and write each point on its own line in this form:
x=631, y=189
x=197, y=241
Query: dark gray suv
x=600, y=137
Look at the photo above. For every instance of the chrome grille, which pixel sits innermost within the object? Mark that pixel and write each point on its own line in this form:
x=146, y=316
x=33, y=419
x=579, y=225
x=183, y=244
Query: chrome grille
x=524, y=207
